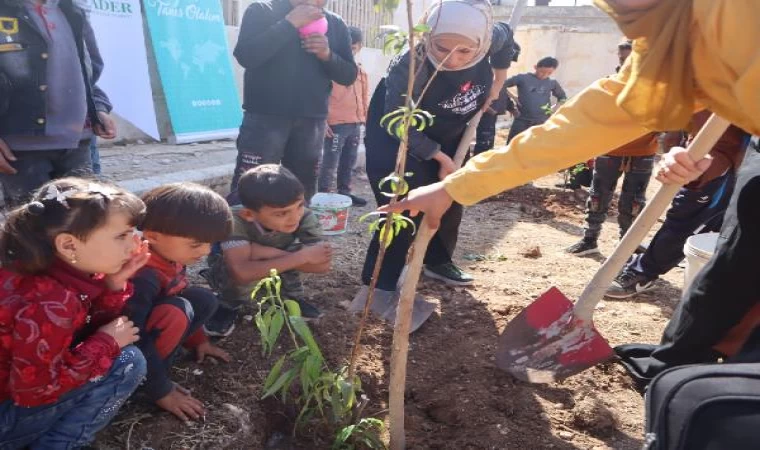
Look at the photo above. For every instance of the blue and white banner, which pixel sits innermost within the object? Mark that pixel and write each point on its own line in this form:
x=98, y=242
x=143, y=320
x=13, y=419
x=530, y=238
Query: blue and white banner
x=190, y=45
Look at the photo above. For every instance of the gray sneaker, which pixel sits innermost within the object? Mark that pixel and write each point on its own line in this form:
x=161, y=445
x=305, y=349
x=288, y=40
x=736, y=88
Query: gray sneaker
x=629, y=284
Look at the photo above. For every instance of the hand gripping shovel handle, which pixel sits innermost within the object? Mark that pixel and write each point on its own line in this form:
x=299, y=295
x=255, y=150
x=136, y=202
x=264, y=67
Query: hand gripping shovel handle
x=701, y=146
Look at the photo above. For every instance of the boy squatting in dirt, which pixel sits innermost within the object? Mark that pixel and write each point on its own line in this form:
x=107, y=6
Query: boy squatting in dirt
x=272, y=229
x=182, y=220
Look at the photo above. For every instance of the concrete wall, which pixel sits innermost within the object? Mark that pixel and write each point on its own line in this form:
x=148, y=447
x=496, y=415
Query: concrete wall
x=582, y=38
x=584, y=56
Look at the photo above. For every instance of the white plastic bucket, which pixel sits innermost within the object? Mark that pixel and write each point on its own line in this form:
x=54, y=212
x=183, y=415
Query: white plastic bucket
x=332, y=211
x=698, y=250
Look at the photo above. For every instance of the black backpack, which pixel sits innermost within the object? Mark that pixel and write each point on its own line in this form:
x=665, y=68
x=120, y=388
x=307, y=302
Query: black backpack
x=704, y=407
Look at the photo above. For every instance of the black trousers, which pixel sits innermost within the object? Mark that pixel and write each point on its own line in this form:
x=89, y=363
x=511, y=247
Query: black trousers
x=486, y=135
x=296, y=143
x=721, y=294
x=441, y=246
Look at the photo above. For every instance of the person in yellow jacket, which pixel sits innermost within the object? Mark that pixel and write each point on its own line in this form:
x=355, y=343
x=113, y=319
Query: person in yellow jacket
x=688, y=55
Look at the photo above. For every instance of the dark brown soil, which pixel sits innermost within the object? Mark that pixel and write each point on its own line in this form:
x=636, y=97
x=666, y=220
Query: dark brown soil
x=456, y=397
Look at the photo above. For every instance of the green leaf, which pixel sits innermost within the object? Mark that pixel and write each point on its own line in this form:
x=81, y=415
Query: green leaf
x=373, y=213
x=409, y=222
x=348, y=393
x=294, y=309
x=387, y=239
x=343, y=437
x=422, y=28
x=314, y=365
x=281, y=380
x=274, y=330
x=299, y=325
x=299, y=355
x=274, y=374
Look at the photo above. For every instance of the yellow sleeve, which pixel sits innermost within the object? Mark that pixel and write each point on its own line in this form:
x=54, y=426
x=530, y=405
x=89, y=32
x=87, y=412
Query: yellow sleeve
x=588, y=125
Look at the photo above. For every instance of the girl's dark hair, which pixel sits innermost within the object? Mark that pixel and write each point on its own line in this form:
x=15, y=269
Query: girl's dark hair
x=68, y=205
x=187, y=210
x=269, y=185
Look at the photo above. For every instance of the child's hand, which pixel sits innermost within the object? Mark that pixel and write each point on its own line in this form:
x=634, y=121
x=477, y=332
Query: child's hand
x=320, y=253
x=122, y=330
x=183, y=405
x=208, y=349
x=140, y=256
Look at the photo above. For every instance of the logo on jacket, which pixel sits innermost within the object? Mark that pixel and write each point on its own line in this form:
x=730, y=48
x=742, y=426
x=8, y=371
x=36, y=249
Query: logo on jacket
x=9, y=27
x=465, y=101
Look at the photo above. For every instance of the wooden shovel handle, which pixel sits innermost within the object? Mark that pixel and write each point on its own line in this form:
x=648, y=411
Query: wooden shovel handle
x=467, y=137
x=701, y=146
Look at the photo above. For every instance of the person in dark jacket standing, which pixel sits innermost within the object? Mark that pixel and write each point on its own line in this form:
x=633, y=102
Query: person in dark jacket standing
x=473, y=54
x=50, y=105
x=289, y=72
x=534, y=91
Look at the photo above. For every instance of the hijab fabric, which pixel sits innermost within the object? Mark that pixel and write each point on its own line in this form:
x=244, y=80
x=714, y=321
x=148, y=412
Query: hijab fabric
x=659, y=77
x=472, y=19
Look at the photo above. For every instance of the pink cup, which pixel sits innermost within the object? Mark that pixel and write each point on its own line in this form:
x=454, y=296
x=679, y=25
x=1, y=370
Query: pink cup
x=319, y=26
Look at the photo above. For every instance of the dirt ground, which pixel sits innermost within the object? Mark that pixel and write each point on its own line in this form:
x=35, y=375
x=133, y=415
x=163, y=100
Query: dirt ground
x=456, y=397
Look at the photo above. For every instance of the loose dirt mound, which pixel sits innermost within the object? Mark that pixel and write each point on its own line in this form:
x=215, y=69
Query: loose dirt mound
x=456, y=397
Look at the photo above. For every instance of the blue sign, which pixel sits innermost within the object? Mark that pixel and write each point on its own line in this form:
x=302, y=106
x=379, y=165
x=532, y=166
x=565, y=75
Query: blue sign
x=190, y=45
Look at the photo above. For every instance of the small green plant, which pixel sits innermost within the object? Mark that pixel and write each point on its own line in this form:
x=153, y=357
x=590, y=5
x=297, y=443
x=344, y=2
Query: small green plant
x=302, y=374
x=547, y=109
x=365, y=433
x=578, y=168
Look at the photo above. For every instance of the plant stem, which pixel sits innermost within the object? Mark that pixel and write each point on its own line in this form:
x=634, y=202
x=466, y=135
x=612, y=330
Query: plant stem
x=370, y=298
x=400, y=170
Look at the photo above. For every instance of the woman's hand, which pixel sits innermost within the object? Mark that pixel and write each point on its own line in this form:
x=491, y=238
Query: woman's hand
x=432, y=200
x=446, y=163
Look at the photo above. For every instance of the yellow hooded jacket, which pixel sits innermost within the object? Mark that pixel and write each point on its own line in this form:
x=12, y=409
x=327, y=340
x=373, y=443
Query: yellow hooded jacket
x=687, y=55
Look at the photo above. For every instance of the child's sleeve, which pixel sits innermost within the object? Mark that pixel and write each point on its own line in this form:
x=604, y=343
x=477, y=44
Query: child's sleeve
x=110, y=305
x=512, y=81
x=558, y=92
x=310, y=231
x=43, y=366
x=503, y=49
x=260, y=39
x=147, y=290
x=365, y=92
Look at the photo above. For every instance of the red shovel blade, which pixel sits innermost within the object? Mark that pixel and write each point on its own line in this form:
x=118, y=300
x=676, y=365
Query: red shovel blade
x=546, y=342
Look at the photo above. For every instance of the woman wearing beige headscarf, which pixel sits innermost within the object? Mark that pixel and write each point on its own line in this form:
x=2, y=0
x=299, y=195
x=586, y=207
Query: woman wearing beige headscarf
x=472, y=54
x=687, y=55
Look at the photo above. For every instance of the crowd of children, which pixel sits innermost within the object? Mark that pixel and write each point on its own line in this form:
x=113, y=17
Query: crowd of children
x=96, y=302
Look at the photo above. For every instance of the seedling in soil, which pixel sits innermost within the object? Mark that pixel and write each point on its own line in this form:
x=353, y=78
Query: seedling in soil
x=302, y=375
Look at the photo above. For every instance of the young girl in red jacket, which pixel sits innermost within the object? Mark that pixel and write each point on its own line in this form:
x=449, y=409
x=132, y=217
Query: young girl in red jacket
x=66, y=363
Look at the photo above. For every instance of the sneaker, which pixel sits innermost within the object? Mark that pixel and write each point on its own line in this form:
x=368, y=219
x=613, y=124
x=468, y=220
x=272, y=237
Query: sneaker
x=356, y=201
x=628, y=284
x=309, y=311
x=583, y=247
x=450, y=274
x=222, y=322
